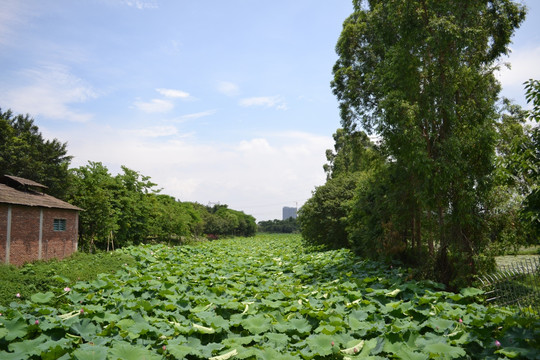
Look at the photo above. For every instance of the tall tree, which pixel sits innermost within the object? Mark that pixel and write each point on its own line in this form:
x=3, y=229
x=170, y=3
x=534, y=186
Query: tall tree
x=420, y=74
x=529, y=158
x=132, y=199
x=25, y=153
x=92, y=187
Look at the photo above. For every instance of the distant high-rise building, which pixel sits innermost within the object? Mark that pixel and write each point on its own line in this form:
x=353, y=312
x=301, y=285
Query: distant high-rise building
x=289, y=212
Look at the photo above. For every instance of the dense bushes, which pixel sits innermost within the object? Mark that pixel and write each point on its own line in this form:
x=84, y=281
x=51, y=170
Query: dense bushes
x=287, y=226
x=323, y=217
x=220, y=220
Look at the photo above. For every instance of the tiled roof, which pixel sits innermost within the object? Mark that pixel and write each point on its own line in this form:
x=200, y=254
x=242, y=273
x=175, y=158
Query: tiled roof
x=25, y=182
x=9, y=195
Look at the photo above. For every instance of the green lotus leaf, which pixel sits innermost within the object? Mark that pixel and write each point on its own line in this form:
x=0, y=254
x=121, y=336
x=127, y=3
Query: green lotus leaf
x=321, y=344
x=442, y=349
x=27, y=348
x=269, y=353
x=42, y=298
x=125, y=324
x=514, y=352
x=86, y=329
x=300, y=326
x=471, y=292
x=9, y=356
x=121, y=351
x=209, y=350
x=17, y=328
x=90, y=352
x=278, y=341
x=256, y=324
x=179, y=351
x=440, y=325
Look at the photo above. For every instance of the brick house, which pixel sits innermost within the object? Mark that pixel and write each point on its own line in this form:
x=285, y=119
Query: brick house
x=34, y=225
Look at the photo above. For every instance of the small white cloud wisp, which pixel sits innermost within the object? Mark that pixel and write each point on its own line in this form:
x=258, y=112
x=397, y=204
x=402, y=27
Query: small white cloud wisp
x=276, y=102
x=173, y=93
x=228, y=88
x=154, y=106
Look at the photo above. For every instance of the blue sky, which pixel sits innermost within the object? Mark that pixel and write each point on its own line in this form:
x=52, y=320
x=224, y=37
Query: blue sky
x=216, y=101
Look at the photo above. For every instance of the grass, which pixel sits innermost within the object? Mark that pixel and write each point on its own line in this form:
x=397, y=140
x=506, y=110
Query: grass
x=41, y=276
x=529, y=250
x=507, y=260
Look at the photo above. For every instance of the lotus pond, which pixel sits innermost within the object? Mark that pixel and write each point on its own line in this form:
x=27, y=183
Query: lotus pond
x=260, y=298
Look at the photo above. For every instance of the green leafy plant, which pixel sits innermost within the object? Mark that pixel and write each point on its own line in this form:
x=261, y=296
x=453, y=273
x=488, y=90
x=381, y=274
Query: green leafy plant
x=261, y=298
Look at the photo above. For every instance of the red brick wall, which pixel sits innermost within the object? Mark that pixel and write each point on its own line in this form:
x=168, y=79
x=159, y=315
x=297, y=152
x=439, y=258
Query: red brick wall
x=3, y=231
x=24, y=245
x=59, y=244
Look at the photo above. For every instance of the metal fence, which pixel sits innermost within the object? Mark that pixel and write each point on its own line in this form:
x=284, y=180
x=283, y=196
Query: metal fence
x=516, y=285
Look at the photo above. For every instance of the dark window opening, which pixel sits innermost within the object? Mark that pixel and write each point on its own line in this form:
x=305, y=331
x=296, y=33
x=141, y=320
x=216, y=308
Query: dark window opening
x=59, y=225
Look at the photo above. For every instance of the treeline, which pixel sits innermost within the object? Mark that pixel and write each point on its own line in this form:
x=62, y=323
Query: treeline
x=452, y=173
x=118, y=210
x=287, y=226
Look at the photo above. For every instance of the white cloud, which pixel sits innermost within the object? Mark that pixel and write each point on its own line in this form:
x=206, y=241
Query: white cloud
x=14, y=14
x=153, y=132
x=228, y=88
x=154, y=106
x=197, y=115
x=524, y=66
x=265, y=101
x=172, y=93
x=258, y=175
x=51, y=91
x=141, y=4
x=257, y=145
x=162, y=105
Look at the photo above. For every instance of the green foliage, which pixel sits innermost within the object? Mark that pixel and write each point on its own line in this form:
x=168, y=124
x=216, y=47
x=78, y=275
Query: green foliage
x=287, y=226
x=353, y=152
x=44, y=276
x=172, y=220
x=24, y=153
x=265, y=298
x=529, y=159
x=508, y=230
x=91, y=187
x=323, y=218
x=127, y=209
x=532, y=94
x=372, y=215
x=219, y=220
x=421, y=76
x=117, y=209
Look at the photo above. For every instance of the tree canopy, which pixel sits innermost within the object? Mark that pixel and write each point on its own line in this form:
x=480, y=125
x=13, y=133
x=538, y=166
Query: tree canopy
x=25, y=153
x=420, y=75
